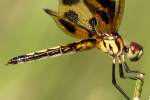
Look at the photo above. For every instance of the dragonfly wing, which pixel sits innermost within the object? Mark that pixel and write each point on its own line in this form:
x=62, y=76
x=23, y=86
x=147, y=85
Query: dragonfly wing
x=77, y=13
x=69, y=27
x=119, y=11
x=108, y=13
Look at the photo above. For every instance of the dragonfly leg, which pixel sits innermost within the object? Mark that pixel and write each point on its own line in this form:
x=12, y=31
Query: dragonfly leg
x=122, y=75
x=121, y=72
x=127, y=69
x=116, y=84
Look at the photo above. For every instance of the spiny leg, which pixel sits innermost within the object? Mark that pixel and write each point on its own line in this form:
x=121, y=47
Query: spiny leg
x=127, y=69
x=56, y=51
x=121, y=72
x=116, y=84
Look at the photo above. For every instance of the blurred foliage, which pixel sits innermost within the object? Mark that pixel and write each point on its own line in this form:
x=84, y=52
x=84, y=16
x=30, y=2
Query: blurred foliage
x=24, y=27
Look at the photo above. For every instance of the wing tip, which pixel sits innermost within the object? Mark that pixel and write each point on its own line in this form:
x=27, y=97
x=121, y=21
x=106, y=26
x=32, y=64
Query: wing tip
x=50, y=12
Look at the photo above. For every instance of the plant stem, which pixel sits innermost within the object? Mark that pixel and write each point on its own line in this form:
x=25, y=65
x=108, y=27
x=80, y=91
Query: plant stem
x=138, y=87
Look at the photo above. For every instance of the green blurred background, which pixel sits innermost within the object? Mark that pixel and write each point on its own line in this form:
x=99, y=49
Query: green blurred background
x=24, y=27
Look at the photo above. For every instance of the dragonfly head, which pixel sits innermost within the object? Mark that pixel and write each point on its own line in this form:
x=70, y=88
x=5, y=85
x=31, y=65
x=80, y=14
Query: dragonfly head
x=134, y=51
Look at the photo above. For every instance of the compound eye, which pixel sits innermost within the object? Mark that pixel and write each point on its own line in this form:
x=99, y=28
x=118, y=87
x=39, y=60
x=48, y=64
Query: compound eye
x=135, y=51
x=135, y=47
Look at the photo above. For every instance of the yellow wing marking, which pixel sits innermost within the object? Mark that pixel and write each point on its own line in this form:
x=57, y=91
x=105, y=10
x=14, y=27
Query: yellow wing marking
x=69, y=27
x=108, y=13
x=120, y=5
x=79, y=8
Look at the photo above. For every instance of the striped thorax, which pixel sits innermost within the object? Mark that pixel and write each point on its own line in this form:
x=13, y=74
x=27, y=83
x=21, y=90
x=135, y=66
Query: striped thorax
x=112, y=45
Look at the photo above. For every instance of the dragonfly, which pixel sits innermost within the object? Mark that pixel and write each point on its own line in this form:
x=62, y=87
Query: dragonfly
x=95, y=23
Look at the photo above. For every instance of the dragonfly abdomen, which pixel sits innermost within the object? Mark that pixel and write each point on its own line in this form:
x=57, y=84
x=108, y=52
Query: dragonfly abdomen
x=50, y=52
x=55, y=51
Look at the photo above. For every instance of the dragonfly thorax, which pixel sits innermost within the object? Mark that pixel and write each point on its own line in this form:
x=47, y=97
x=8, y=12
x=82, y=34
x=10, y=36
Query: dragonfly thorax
x=112, y=45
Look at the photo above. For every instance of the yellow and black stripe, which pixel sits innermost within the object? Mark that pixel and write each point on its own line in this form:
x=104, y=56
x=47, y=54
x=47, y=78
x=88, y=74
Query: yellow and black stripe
x=56, y=51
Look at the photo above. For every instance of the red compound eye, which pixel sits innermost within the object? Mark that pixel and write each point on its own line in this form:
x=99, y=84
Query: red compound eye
x=135, y=46
x=135, y=51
